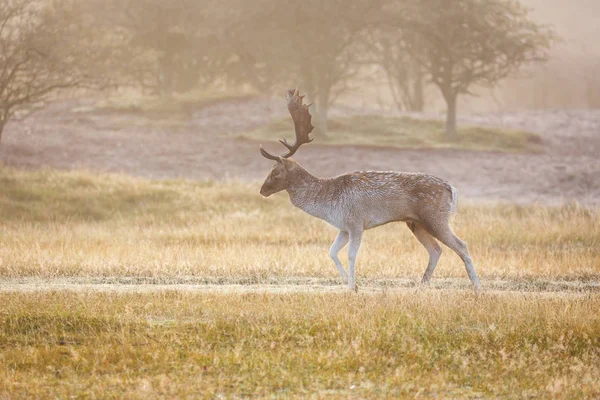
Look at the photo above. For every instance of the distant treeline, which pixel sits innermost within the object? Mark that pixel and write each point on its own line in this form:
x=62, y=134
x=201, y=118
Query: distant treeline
x=323, y=46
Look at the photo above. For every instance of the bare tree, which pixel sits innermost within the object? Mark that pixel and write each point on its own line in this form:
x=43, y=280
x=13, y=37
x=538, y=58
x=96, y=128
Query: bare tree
x=405, y=75
x=161, y=46
x=311, y=42
x=251, y=51
x=40, y=53
x=592, y=84
x=359, y=201
x=472, y=43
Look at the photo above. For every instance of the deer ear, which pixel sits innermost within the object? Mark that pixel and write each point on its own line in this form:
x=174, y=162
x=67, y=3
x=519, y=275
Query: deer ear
x=287, y=164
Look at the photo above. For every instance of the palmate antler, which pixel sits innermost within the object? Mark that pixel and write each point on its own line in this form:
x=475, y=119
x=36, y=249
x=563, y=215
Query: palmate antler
x=302, y=123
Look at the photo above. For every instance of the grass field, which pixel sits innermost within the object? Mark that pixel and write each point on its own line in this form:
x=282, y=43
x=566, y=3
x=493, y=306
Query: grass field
x=79, y=224
x=528, y=339
x=431, y=344
x=406, y=132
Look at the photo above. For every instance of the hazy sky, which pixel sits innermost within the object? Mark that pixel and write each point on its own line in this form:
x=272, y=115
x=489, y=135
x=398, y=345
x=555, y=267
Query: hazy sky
x=576, y=21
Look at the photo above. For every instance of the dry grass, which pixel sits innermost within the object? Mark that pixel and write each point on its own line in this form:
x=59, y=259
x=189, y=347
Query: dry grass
x=57, y=224
x=406, y=132
x=433, y=343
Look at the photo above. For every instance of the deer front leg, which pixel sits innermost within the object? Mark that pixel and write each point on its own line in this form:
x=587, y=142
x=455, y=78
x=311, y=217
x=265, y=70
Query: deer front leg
x=340, y=241
x=355, y=239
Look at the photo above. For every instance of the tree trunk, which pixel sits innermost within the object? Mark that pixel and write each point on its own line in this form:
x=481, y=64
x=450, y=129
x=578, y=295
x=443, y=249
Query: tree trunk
x=166, y=74
x=451, y=101
x=322, y=114
x=406, y=87
x=415, y=86
x=419, y=97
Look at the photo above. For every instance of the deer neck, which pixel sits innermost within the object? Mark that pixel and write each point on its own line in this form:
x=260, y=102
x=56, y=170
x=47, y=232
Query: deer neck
x=309, y=194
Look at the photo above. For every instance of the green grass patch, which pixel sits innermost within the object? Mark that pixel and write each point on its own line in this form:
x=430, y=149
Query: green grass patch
x=174, y=106
x=406, y=132
x=49, y=195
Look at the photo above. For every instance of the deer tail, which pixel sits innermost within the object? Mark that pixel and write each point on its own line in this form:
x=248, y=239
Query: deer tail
x=454, y=201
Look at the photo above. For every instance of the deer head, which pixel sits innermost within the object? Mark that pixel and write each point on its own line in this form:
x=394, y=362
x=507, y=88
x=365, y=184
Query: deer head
x=282, y=173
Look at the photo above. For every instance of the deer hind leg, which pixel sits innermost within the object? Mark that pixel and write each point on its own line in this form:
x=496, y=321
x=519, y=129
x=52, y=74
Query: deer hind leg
x=431, y=245
x=355, y=239
x=340, y=241
x=445, y=235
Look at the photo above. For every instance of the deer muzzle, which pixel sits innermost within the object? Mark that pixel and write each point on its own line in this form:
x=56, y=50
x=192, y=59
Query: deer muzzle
x=265, y=191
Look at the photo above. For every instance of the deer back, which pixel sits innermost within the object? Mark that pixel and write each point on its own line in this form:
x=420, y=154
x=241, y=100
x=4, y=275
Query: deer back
x=370, y=199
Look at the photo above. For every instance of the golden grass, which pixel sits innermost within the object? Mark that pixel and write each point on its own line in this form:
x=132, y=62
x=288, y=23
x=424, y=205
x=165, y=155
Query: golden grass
x=431, y=344
x=406, y=132
x=76, y=224
x=375, y=344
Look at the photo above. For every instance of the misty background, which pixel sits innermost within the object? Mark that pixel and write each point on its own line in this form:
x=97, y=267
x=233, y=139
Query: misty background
x=500, y=97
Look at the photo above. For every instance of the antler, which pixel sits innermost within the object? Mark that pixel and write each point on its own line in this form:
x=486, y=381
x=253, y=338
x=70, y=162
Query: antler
x=302, y=123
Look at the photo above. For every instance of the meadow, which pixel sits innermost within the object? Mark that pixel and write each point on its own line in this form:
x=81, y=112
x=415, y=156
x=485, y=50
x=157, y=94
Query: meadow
x=171, y=344
x=79, y=224
x=533, y=332
x=409, y=132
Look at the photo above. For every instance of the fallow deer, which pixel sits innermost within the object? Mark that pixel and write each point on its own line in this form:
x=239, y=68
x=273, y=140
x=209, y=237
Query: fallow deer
x=357, y=201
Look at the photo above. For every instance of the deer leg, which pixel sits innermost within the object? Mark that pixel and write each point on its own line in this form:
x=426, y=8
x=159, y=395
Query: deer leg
x=431, y=245
x=355, y=239
x=446, y=236
x=340, y=241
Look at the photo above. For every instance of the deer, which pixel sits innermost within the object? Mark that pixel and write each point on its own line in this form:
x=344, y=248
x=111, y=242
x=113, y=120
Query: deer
x=358, y=201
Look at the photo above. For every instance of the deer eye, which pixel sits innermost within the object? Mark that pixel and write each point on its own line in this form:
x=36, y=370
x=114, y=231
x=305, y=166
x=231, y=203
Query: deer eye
x=276, y=174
